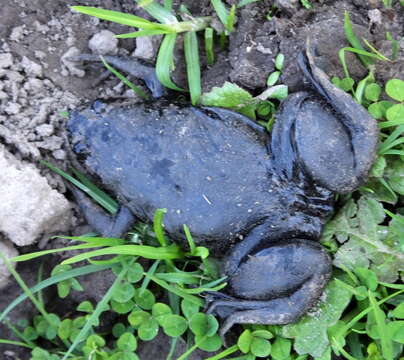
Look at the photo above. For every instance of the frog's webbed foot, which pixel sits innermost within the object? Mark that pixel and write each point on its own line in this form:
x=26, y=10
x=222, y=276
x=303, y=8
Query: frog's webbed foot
x=273, y=278
x=104, y=224
x=325, y=135
x=135, y=67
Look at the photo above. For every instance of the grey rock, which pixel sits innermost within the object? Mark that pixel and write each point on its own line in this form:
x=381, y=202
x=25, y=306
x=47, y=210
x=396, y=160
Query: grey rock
x=104, y=43
x=9, y=251
x=29, y=208
x=147, y=46
x=6, y=60
x=71, y=67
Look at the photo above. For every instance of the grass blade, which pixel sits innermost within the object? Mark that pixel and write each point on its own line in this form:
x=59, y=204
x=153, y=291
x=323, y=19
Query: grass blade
x=141, y=33
x=380, y=316
x=210, y=55
x=112, y=204
x=128, y=83
x=158, y=226
x=354, y=41
x=16, y=343
x=37, y=254
x=221, y=11
x=97, y=312
x=176, y=290
x=105, y=201
x=341, y=54
x=148, y=252
x=231, y=19
x=85, y=270
x=118, y=17
x=193, y=66
x=165, y=61
x=160, y=13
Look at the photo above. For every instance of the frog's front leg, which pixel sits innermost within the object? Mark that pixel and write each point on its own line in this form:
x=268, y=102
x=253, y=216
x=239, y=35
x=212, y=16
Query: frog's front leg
x=106, y=225
x=134, y=67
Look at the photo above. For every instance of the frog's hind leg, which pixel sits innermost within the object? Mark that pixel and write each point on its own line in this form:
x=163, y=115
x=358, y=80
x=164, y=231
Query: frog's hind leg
x=132, y=66
x=271, y=281
x=104, y=224
x=278, y=311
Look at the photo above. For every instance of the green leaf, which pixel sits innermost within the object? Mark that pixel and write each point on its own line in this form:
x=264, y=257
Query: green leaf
x=137, y=317
x=208, y=343
x=127, y=342
x=122, y=307
x=281, y=349
x=148, y=330
x=372, y=92
x=65, y=329
x=273, y=78
x=378, y=167
x=265, y=334
x=395, y=330
x=30, y=333
x=159, y=310
x=310, y=333
x=86, y=307
x=279, y=60
x=145, y=299
x=260, y=347
x=395, y=113
x=173, y=325
x=347, y=84
x=118, y=329
x=229, y=96
x=244, y=341
x=199, y=324
x=135, y=273
x=375, y=110
x=395, y=89
x=95, y=341
x=123, y=292
x=367, y=277
x=398, y=312
x=189, y=308
x=394, y=173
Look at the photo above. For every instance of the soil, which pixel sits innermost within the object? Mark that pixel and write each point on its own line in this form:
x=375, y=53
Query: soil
x=38, y=86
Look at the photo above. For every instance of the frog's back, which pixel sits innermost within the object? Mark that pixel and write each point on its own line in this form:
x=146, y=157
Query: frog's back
x=209, y=171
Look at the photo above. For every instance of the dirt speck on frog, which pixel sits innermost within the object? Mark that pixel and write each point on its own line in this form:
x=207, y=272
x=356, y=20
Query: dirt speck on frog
x=261, y=198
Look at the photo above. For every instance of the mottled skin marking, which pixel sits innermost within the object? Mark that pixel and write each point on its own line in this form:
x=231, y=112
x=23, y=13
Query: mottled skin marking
x=227, y=179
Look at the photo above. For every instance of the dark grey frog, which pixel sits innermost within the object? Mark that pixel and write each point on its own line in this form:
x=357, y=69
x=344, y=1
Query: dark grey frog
x=260, y=198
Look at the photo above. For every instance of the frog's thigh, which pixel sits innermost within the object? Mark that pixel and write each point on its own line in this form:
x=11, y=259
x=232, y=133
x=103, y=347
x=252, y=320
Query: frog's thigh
x=276, y=285
x=280, y=270
x=324, y=146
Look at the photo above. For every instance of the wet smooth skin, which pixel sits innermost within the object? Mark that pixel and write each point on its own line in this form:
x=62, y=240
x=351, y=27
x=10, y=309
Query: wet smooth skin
x=261, y=199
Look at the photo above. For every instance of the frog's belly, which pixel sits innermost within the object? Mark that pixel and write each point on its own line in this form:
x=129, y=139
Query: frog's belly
x=208, y=173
